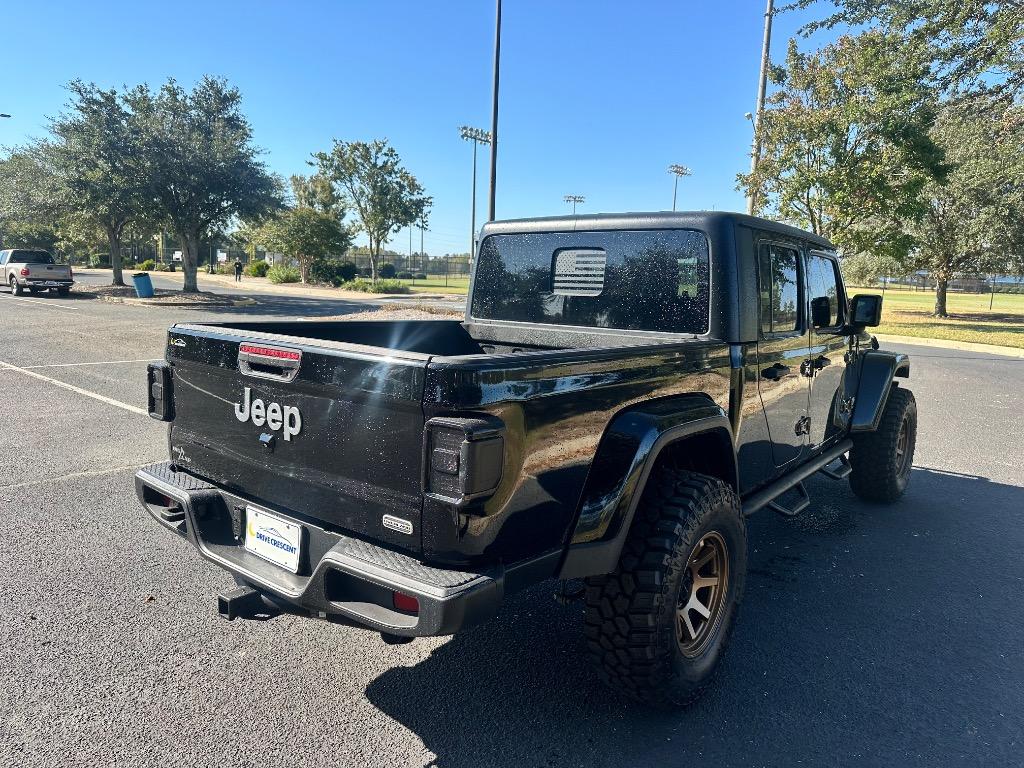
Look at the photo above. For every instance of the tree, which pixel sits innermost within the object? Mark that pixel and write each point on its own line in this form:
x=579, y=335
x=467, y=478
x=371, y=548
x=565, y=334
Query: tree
x=975, y=44
x=27, y=217
x=203, y=171
x=846, y=142
x=309, y=231
x=369, y=177
x=973, y=220
x=95, y=163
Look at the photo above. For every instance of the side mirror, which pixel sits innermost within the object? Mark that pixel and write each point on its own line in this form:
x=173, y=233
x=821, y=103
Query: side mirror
x=866, y=310
x=821, y=312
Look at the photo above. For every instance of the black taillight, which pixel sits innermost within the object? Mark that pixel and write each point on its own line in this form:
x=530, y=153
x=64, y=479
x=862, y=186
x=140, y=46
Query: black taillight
x=463, y=457
x=158, y=391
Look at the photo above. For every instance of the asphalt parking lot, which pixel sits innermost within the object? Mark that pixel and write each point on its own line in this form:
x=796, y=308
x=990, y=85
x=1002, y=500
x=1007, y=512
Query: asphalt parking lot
x=868, y=635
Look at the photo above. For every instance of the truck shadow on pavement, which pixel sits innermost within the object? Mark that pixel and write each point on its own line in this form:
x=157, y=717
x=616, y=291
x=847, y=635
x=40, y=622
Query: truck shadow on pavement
x=868, y=635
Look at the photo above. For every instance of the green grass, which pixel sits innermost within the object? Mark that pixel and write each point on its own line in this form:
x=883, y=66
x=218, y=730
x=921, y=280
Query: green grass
x=909, y=313
x=436, y=284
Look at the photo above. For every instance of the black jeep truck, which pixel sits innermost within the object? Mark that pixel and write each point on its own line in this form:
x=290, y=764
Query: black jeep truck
x=623, y=391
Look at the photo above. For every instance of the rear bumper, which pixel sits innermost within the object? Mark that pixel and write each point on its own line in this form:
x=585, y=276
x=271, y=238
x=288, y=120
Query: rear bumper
x=40, y=282
x=339, y=577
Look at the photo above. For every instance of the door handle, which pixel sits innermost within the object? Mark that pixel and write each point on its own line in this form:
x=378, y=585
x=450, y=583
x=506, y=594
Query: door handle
x=775, y=372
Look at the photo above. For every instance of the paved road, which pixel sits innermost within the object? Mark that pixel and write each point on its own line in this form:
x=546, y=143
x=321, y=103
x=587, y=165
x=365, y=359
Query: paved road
x=868, y=635
x=270, y=294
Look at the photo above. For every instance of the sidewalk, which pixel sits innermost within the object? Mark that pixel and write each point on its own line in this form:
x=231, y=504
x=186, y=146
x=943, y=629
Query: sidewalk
x=263, y=285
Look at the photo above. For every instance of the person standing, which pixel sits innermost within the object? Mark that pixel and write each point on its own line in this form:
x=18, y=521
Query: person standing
x=238, y=270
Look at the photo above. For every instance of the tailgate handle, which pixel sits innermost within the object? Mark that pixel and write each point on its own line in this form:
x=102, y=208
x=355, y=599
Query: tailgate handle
x=265, y=361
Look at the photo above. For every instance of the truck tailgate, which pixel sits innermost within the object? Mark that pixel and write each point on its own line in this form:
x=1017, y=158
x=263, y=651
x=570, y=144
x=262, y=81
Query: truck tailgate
x=48, y=272
x=328, y=431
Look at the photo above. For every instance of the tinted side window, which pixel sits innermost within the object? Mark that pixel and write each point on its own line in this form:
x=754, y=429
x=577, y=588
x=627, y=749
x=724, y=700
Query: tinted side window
x=780, y=288
x=822, y=283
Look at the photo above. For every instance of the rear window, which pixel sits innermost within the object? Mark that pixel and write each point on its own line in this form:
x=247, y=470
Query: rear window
x=648, y=280
x=30, y=257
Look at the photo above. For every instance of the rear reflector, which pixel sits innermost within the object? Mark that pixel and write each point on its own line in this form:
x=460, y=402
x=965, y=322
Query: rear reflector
x=406, y=603
x=271, y=352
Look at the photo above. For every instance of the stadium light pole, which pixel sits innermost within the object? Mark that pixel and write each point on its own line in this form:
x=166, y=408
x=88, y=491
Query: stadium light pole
x=677, y=171
x=494, y=111
x=574, y=199
x=478, y=136
x=762, y=84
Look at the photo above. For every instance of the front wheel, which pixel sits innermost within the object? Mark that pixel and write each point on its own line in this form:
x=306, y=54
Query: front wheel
x=658, y=626
x=882, y=460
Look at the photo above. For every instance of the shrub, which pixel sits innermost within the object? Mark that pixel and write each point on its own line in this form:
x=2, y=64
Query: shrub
x=405, y=275
x=283, y=275
x=99, y=261
x=420, y=276
x=333, y=271
x=388, y=271
x=257, y=269
x=381, y=286
x=146, y=266
x=160, y=268
x=365, y=272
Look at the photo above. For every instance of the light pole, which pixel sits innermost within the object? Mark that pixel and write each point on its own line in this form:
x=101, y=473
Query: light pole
x=478, y=136
x=677, y=171
x=755, y=154
x=574, y=199
x=494, y=111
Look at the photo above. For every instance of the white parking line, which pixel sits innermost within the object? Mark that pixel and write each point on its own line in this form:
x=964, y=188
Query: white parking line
x=103, y=362
x=47, y=304
x=94, y=395
x=86, y=473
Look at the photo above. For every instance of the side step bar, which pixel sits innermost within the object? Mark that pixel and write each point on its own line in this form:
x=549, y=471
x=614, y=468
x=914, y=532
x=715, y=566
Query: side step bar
x=767, y=495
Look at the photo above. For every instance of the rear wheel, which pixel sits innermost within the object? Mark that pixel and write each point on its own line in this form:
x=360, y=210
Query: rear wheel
x=16, y=288
x=63, y=291
x=882, y=460
x=658, y=626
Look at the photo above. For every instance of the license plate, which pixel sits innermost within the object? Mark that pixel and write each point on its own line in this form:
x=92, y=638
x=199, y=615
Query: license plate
x=273, y=538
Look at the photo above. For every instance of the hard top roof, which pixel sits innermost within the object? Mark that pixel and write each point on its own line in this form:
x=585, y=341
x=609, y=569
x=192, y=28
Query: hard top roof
x=703, y=220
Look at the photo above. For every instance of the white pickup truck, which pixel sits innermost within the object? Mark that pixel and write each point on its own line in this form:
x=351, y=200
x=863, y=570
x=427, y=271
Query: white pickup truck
x=35, y=270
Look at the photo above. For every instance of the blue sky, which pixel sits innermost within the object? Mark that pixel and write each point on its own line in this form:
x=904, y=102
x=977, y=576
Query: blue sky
x=597, y=97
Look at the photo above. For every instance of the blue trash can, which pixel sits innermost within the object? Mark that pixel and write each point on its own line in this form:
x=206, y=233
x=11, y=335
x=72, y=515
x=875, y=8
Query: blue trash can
x=143, y=285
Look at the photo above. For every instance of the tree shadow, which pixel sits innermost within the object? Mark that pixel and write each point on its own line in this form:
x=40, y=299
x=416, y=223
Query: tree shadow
x=860, y=641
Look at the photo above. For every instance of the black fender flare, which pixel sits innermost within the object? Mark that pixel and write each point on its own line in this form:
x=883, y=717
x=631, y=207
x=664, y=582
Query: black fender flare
x=877, y=370
x=627, y=453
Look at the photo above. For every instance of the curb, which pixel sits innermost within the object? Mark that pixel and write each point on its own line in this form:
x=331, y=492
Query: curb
x=308, y=291
x=191, y=304
x=965, y=346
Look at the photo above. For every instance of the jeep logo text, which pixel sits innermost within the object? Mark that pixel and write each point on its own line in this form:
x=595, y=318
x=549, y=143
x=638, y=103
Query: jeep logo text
x=274, y=415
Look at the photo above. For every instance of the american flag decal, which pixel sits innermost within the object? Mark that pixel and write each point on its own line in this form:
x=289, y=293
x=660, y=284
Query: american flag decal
x=579, y=272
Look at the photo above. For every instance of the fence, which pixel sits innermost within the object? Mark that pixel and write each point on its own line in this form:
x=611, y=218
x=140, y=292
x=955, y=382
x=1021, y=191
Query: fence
x=418, y=263
x=989, y=284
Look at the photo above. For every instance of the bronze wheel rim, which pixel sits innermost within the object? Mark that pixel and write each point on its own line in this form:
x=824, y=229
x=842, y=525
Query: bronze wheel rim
x=903, y=448
x=702, y=591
